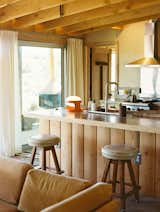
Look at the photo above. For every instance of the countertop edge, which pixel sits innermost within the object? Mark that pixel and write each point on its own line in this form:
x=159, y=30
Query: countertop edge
x=123, y=126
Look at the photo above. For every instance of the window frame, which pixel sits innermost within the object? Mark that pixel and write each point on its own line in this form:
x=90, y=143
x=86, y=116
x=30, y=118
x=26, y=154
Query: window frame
x=45, y=45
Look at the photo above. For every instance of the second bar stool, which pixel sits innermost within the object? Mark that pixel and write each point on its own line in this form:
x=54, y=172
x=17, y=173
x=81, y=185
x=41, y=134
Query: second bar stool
x=120, y=155
x=45, y=143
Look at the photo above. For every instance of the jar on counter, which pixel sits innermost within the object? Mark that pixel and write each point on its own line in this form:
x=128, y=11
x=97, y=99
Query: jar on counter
x=122, y=110
x=93, y=106
x=89, y=104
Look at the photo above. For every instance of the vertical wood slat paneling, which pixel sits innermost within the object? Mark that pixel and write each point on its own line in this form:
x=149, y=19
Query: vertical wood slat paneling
x=44, y=128
x=147, y=168
x=66, y=148
x=90, y=153
x=78, y=150
x=103, y=138
x=132, y=138
x=55, y=129
x=157, y=174
x=117, y=137
x=86, y=160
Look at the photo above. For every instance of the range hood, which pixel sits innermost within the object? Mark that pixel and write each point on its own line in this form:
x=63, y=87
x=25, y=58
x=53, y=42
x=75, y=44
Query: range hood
x=148, y=60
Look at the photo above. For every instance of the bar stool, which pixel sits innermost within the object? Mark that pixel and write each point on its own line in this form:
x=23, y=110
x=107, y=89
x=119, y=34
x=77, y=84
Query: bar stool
x=120, y=155
x=45, y=143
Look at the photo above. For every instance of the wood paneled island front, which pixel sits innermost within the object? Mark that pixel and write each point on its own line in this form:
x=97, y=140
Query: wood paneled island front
x=84, y=134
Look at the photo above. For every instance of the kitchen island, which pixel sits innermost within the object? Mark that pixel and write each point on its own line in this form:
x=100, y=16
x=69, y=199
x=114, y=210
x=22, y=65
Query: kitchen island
x=84, y=134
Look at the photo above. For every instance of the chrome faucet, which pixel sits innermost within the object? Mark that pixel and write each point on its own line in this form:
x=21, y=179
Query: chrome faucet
x=107, y=93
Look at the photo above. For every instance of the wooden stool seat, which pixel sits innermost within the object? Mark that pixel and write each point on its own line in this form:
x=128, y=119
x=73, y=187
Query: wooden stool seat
x=44, y=140
x=119, y=152
x=45, y=143
x=120, y=155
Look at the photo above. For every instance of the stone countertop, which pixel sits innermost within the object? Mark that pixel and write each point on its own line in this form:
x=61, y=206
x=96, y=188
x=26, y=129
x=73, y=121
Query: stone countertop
x=129, y=122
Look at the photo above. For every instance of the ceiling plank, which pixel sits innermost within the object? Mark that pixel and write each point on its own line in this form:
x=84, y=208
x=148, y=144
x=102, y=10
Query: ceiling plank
x=95, y=16
x=109, y=10
x=6, y=2
x=36, y=18
x=80, y=6
x=138, y=14
x=52, y=13
x=121, y=25
x=22, y=8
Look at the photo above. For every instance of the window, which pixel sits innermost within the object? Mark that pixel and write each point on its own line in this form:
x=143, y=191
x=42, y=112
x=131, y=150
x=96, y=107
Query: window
x=41, y=79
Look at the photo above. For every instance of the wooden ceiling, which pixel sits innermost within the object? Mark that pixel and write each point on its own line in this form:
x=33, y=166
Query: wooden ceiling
x=74, y=17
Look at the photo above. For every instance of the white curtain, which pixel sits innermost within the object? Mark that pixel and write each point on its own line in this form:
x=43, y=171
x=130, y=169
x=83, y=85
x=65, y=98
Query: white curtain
x=8, y=68
x=75, y=69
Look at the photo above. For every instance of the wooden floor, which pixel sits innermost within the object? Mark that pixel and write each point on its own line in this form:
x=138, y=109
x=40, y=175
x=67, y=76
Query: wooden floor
x=147, y=204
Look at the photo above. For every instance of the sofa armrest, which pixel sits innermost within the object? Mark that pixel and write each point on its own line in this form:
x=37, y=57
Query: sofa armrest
x=89, y=199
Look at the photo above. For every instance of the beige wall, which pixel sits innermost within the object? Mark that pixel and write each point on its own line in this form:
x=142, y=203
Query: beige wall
x=131, y=47
x=101, y=37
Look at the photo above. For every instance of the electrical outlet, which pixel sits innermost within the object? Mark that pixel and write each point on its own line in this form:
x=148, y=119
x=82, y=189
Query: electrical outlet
x=138, y=159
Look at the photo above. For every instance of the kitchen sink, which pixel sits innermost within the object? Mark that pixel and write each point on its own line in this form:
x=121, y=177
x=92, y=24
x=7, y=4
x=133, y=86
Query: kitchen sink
x=104, y=113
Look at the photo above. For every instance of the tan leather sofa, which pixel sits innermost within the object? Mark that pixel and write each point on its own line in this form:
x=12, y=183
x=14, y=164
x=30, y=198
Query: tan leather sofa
x=25, y=189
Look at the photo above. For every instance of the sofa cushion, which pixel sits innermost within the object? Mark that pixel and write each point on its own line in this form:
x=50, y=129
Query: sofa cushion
x=88, y=200
x=12, y=176
x=6, y=207
x=42, y=189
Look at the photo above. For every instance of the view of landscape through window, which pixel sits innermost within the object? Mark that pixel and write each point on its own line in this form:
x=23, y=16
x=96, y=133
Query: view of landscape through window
x=40, y=66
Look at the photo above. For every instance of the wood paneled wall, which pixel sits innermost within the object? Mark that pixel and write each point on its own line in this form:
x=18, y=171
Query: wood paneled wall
x=80, y=152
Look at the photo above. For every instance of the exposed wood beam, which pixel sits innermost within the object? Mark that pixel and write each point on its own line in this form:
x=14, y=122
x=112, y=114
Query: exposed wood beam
x=41, y=37
x=79, y=17
x=36, y=18
x=121, y=26
x=126, y=17
x=53, y=13
x=109, y=10
x=22, y=8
